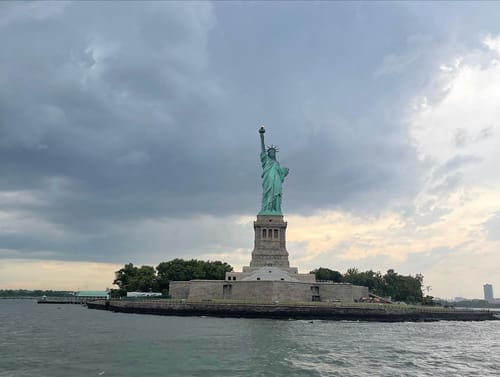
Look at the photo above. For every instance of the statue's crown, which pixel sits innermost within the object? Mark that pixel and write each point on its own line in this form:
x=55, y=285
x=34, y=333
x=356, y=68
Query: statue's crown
x=273, y=147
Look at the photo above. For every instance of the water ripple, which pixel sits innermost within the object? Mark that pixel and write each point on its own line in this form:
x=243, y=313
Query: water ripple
x=69, y=340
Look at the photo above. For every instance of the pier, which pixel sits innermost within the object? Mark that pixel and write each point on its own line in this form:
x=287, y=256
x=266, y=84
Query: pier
x=65, y=300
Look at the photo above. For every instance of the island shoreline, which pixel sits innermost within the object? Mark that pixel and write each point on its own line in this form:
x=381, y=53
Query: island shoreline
x=309, y=311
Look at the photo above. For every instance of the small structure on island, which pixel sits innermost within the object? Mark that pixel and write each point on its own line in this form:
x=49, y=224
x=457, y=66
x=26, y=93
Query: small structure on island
x=91, y=295
x=143, y=294
x=269, y=278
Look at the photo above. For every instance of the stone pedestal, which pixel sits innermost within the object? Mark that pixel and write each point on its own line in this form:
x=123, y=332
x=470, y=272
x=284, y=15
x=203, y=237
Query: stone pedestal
x=270, y=242
x=269, y=256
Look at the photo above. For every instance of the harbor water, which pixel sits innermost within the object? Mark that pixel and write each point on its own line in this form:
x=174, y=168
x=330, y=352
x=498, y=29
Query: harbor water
x=70, y=340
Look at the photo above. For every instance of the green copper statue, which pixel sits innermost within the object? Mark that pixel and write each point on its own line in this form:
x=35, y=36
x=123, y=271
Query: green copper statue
x=272, y=178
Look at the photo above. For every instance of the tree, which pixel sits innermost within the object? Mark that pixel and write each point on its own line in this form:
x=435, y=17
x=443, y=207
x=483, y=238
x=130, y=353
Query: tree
x=123, y=277
x=134, y=279
x=398, y=287
x=403, y=288
x=325, y=274
x=145, y=280
x=373, y=280
x=179, y=269
x=428, y=300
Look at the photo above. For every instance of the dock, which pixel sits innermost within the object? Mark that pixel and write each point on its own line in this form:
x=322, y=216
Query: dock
x=66, y=300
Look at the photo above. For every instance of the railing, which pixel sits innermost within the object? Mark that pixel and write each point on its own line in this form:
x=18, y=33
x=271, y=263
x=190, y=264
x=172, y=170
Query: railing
x=67, y=300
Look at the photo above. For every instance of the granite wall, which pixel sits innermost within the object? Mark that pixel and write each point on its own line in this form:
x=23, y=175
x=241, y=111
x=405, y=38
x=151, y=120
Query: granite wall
x=266, y=291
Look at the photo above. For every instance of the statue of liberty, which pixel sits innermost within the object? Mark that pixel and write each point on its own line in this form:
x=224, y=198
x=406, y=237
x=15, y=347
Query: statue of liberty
x=272, y=178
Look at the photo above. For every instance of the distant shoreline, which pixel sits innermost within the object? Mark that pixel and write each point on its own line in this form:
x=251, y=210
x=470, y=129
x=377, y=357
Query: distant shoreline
x=326, y=311
x=21, y=298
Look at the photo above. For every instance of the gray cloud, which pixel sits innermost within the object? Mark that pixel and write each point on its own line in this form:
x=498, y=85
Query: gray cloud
x=456, y=163
x=417, y=45
x=485, y=133
x=460, y=137
x=449, y=183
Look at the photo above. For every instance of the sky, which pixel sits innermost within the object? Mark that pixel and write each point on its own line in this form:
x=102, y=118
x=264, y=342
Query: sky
x=129, y=134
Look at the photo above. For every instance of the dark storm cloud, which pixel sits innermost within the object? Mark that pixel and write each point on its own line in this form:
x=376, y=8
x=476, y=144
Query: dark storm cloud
x=106, y=97
x=112, y=113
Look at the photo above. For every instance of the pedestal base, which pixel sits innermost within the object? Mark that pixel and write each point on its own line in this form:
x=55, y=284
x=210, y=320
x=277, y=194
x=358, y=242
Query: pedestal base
x=270, y=242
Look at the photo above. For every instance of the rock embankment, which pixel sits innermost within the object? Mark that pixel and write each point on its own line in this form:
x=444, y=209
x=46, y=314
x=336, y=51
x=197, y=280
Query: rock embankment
x=327, y=311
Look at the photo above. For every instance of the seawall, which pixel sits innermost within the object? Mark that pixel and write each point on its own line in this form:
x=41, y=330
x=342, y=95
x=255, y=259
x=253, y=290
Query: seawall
x=327, y=311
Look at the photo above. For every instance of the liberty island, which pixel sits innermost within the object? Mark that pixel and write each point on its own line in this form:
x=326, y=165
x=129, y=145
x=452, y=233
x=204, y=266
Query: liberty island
x=269, y=277
x=270, y=288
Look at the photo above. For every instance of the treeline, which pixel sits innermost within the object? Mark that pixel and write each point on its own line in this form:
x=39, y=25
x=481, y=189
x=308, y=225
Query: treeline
x=131, y=278
x=475, y=303
x=6, y=293
x=156, y=279
x=399, y=287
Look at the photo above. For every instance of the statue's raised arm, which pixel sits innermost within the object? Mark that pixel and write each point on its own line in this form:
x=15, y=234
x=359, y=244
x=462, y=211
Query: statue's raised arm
x=262, y=131
x=272, y=178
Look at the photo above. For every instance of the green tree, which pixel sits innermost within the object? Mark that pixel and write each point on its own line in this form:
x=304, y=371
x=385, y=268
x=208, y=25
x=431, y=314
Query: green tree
x=325, y=274
x=370, y=279
x=403, y=288
x=136, y=279
x=428, y=300
x=123, y=277
x=179, y=269
x=145, y=280
x=398, y=287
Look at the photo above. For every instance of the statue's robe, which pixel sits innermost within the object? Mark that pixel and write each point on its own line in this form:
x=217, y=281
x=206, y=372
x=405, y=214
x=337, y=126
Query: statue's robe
x=272, y=178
